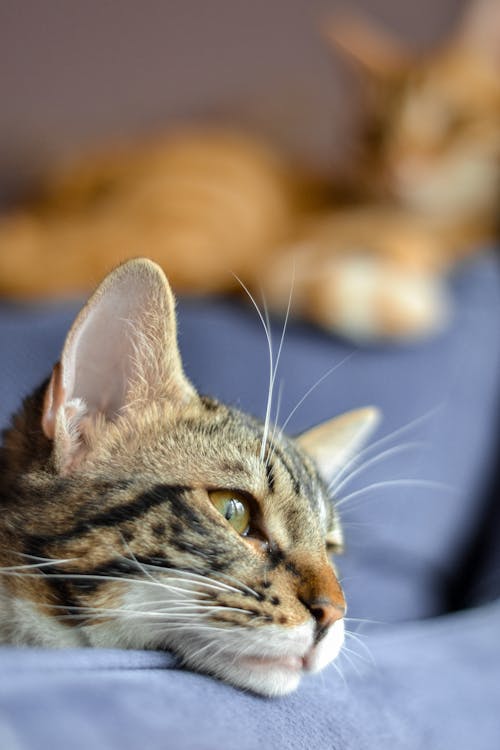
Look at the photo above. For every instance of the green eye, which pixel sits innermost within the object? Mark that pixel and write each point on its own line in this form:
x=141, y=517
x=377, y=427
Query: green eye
x=234, y=507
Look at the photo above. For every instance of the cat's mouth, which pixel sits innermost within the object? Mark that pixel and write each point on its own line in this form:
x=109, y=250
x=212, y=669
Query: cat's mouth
x=287, y=663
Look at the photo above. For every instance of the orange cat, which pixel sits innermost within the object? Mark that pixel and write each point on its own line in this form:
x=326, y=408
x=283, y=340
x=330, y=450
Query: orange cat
x=206, y=204
x=203, y=203
x=425, y=183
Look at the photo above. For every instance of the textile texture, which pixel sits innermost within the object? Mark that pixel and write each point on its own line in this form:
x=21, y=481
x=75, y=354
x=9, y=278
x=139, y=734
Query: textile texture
x=427, y=676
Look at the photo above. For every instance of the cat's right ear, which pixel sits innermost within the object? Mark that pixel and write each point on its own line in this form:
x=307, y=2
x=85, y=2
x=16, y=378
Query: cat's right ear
x=479, y=30
x=335, y=442
x=120, y=354
x=370, y=48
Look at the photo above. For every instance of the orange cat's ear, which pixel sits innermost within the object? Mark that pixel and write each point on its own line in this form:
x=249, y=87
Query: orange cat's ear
x=372, y=49
x=332, y=444
x=479, y=29
x=120, y=353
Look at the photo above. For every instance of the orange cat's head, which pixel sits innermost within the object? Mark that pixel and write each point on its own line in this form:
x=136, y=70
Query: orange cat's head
x=433, y=128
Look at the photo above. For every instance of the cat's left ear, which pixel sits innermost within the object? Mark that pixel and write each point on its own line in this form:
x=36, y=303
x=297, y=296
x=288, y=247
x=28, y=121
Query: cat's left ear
x=332, y=444
x=120, y=354
x=372, y=49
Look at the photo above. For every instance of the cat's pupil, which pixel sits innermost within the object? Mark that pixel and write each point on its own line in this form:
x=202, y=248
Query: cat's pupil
x=233, y=508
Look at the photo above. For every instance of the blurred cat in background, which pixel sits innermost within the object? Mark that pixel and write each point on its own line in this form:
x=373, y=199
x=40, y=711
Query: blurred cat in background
x=366, y=254
x=422, y=191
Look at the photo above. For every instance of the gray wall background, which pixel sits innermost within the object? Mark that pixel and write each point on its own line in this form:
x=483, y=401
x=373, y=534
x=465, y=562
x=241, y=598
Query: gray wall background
x=74, y=73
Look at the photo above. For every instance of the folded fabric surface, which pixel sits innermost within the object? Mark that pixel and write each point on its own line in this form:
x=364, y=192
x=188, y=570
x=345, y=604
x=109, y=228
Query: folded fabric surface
x=431, y=685
x=434, y=683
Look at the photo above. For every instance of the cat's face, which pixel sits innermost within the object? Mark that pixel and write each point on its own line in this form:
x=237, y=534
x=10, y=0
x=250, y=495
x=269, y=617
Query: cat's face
x=167, y=520
x=442, y=137
x=433, y=122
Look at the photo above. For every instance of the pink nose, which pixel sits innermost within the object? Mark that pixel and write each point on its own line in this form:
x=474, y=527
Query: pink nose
x=322, y=595
x=326, y=612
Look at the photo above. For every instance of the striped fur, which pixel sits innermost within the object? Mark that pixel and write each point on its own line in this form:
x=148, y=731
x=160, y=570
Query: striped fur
x=125, y=549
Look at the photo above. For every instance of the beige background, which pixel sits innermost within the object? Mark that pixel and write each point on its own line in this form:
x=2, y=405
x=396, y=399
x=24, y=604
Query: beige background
x=76, y=72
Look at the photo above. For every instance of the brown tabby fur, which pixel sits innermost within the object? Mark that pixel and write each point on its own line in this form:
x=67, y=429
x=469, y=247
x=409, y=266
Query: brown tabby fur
x=108, y=535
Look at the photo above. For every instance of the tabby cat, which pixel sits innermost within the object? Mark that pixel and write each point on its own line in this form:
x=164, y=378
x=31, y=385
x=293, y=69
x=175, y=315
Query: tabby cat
x=139, y=514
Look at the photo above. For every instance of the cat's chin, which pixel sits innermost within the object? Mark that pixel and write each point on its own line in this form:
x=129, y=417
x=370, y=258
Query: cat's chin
x=269, y=677
x=280, y=675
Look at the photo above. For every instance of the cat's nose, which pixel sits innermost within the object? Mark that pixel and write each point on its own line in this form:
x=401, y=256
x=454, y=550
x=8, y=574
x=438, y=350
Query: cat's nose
x=322, y=595
x=325, y=612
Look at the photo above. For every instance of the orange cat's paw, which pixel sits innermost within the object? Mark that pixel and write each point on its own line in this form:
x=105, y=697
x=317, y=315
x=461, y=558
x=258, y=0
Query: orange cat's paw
x=362, y=297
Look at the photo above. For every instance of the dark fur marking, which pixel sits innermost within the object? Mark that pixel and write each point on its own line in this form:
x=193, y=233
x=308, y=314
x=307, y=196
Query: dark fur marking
x=158, y=529
x=270, y=476
x=209, y=403
x=162, y=493
x=292, y=569
x=233, y=467
x=61, y=591
x=275, y=600
x=282, y=619
x=291, y=473
x=275, y=556
x=177, y=527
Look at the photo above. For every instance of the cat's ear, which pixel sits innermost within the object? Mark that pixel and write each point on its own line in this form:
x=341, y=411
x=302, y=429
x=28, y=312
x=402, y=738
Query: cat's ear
x=332, y=444
x=372, y=49
x=479, y=30
x=120, y=353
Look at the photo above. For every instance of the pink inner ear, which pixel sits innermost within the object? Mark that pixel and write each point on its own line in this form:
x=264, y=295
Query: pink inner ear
x=121, y=350
x=480, y=28
x=98, y=362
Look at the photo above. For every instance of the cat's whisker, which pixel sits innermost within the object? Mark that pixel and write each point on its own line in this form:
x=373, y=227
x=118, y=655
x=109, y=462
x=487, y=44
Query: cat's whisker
x=83, y=611
x=357, y=639
x=139, y=565
x=364, y=620
x=165, y=615
x=314, y=386
x=278, y=356
x=334, y=488
x=423, y=483
x=198, y=579
x=163, y=582
x=39, y=558
x=387, y=438
x=358, y=656
x=276, y=429
x=272, y=375
x=337, y=668
x=347, y=655
x=267, y=331
x=86, y=576
x=31, y=566
x=240, y=585
x=198, y=652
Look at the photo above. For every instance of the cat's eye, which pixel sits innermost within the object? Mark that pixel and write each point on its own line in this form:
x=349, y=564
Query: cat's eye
x=235, y=508
x=334, y=541
x=333, y=548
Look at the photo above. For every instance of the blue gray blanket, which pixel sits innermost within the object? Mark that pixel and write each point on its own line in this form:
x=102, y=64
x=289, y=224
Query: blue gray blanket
x=417, y=672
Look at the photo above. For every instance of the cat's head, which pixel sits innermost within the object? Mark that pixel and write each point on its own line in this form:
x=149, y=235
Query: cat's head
x=166, y=520
x=432, y=136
